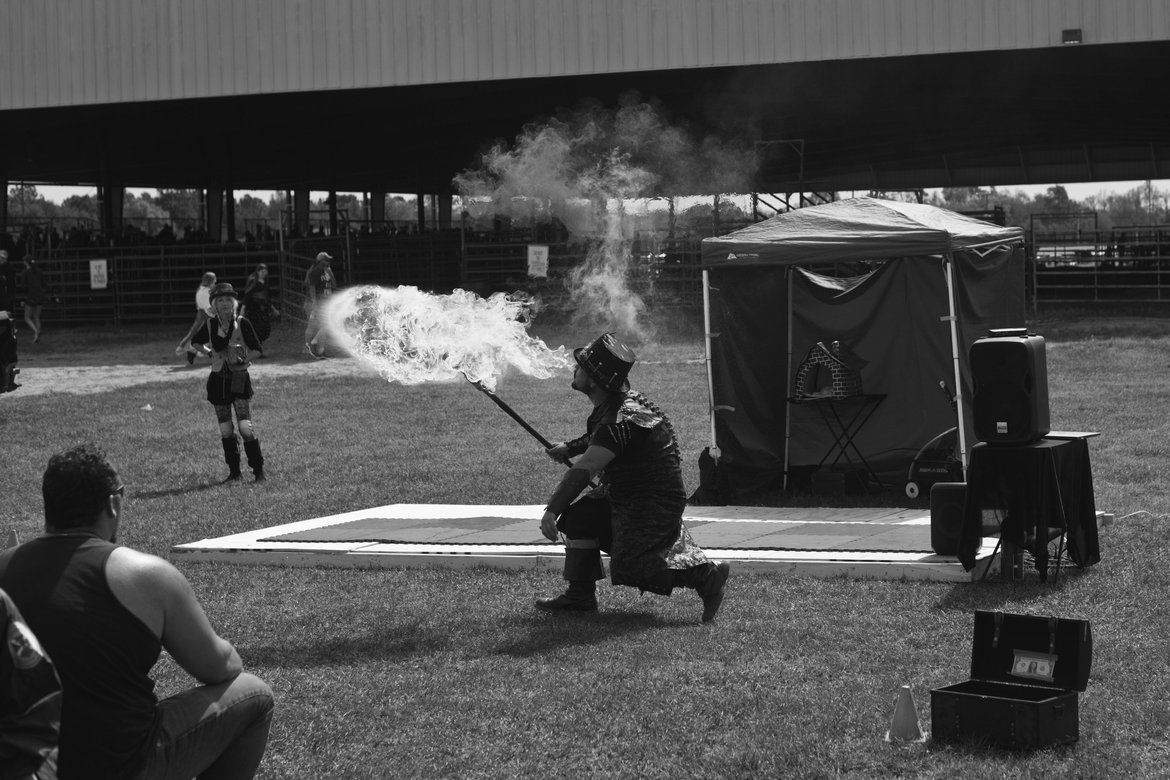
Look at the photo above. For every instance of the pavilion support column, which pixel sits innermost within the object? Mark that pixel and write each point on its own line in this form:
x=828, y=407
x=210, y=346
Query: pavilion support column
x=443, y=205
x=421, y=203
x=215, y=214
x=377, y=210
x=4, y=206
x=229, y=212
x=111, y=204
x=332, y=201
x=301, y=210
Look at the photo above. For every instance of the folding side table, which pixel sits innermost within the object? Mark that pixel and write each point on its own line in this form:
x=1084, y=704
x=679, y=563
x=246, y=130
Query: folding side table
x=844, y=417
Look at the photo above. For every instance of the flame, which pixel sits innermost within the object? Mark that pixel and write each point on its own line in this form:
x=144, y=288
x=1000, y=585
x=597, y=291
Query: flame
x=409, y=336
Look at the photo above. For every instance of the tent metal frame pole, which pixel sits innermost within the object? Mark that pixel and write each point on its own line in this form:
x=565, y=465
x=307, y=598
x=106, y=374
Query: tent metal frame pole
x=788, y=377
x=707, y=358
x=949, y=266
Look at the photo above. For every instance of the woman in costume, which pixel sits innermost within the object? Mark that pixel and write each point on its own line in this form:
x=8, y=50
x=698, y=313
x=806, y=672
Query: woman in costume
x=232, y=341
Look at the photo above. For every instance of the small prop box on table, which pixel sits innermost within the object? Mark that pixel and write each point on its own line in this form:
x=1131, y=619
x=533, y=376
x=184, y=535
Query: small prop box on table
x=1025, y=674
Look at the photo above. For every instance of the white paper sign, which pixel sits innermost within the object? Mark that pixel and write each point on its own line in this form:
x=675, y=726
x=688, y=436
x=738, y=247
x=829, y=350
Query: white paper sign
x=98, y=278
x=537, y=260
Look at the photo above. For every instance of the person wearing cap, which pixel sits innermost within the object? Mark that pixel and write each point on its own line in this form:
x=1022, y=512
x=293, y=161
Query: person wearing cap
x=203, y=313
x=319, y=285
x=232, y=342
x=635, y=514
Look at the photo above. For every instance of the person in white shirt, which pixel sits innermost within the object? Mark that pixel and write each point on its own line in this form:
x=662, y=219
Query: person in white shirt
x=203, y=312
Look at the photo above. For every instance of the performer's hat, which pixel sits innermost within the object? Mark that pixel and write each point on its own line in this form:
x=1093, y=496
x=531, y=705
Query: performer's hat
x=222, y=289
x=608, y=361
x=324, y=257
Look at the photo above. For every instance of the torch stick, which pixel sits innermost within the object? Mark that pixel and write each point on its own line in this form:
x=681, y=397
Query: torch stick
x=524, y=424
x=512, y=413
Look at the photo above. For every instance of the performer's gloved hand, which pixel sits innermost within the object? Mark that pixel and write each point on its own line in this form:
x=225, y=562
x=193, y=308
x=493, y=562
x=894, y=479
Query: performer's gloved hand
x=548, y=525
x=559, y=452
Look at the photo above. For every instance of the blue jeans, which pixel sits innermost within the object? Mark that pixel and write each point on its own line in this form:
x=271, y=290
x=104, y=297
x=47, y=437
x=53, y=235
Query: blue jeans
x=213, y=732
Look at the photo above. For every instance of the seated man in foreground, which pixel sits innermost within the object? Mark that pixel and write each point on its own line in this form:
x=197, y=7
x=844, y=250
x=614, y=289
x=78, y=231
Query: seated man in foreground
x=103, y=613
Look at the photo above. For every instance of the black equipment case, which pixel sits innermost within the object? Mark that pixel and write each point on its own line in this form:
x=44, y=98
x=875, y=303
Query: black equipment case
x=1025, y=674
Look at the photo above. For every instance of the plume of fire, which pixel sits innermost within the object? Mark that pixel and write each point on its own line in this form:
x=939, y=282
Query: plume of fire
x=410, y=336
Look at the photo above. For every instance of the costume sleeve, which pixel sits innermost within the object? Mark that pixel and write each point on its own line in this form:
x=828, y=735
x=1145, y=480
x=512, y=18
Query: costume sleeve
x=578, y=446
x=30, y=715
x=618, y=437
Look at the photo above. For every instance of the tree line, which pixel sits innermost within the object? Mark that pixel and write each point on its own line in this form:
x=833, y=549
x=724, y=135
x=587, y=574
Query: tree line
x=181, y=209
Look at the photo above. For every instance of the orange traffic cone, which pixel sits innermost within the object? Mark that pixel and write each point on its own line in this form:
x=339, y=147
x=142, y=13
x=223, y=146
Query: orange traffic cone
x=905, y=726
x=13, y=540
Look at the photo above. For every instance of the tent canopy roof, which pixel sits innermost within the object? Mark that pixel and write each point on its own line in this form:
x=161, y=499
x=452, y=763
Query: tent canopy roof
x=854, y=229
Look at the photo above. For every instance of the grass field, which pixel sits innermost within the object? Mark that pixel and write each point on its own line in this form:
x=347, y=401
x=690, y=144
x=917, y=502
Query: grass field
x=444, y=673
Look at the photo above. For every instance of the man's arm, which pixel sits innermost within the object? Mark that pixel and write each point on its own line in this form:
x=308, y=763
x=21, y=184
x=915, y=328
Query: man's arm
x=576, y=479
x=159, y=594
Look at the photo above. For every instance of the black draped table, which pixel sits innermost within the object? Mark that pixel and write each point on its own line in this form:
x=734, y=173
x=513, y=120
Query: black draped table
x=1038, y=486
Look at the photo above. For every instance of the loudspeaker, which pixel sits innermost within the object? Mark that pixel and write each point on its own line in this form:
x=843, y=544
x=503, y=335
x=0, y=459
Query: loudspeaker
x=1010, y=399
x=946, y=516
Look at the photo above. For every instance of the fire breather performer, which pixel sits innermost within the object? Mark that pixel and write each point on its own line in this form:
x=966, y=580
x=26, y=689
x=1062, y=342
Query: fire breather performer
x=233, y=344
x=635, y=515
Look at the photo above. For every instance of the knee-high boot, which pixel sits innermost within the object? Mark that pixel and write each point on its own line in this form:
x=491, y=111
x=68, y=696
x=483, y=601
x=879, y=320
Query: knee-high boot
x=231, y=456
x=255, y=458
x=708, y=579
x=582, y=569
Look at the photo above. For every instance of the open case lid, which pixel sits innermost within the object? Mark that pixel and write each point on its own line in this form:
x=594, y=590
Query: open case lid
x=1032, y=650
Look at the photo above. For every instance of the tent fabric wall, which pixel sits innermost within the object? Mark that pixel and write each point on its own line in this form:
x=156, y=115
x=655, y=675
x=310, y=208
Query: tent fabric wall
x=895, y=323
x=894, y=318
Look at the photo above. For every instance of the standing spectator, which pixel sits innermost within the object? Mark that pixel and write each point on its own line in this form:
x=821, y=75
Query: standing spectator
x=33, y=280
x=229, y=387
x=7, y=284
x=257, y=305
x=319, y=285
x=30, y=701
x=104, y=613
x=203, y=313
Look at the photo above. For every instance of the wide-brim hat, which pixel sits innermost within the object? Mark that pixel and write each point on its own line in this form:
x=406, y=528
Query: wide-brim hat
x=607, y=361
x=222, y=289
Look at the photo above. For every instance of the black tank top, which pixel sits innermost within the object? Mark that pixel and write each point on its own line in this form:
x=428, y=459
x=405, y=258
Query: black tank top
x=102, y=652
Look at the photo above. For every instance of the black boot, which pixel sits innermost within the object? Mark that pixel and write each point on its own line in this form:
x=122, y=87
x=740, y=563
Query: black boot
x=231, y=456
x=708, y=580
x=255, y=458
x=579, y=597
x=582, y=570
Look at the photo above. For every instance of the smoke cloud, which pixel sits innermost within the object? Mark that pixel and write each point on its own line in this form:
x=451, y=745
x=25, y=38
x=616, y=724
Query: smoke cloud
x=589, y=169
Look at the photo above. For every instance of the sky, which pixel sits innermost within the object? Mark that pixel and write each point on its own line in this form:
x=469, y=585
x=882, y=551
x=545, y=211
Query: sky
x=1076, y=191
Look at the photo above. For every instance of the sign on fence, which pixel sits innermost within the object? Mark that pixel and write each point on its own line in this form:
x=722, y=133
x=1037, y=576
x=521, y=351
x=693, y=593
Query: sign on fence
x=98, y=275
x=538, y=261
